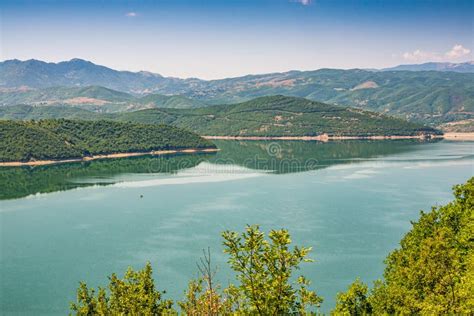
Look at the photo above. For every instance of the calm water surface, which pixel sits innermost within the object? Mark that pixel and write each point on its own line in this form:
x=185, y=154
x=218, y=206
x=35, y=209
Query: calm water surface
x=350, y=201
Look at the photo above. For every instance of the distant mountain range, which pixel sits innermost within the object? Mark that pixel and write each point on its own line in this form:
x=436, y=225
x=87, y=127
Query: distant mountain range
x=456, y=67
x=76, y=72
x=432, y=97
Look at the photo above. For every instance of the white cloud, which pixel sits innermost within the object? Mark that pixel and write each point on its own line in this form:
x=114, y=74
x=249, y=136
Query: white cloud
x=419, y=55
x=454, y=53
x=131, y=14
x=303, y=2
x=458, y=51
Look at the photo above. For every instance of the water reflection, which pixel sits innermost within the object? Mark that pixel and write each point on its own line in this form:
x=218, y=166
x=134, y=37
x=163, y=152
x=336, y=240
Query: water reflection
x=276, y=157
x=17, y=182
x=296, y=156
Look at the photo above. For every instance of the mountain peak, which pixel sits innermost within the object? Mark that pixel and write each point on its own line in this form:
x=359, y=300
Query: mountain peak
x=78, y=61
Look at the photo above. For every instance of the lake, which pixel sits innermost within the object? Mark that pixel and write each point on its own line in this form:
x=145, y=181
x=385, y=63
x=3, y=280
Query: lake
x=352, y=201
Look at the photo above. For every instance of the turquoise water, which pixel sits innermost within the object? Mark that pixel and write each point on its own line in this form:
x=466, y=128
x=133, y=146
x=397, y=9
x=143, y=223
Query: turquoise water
x=350, y=201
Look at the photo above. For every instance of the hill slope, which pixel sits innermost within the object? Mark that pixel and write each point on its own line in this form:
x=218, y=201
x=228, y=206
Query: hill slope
x=278, y=116
x=76, y=72
x=64, y=139
x=433, y=97
x=93, y=98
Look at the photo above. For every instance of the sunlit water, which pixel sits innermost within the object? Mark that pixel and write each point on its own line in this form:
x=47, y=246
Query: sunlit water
x=350, y=201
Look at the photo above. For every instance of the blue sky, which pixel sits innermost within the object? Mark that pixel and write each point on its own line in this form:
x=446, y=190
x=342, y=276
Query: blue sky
x=215, y=39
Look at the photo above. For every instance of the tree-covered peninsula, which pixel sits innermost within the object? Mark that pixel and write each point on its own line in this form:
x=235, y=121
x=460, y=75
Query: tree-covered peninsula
x=68, y=139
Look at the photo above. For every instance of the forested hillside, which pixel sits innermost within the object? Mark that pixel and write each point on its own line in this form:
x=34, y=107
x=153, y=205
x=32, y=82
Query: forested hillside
x=431, y=273
x=433, y=97
x=62, y=139
x=265, y=116
x=93, y=98
x=278, y=116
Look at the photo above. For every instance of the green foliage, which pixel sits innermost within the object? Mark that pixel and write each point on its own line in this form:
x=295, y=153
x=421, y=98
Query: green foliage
x=431, y=273
x=265, y=116
x=354, y=301
x=264, y=269
x=61, y=139
x=168, y=101
x=135, y=294
x=201, y=299
x=23, y=141
x=278, y=116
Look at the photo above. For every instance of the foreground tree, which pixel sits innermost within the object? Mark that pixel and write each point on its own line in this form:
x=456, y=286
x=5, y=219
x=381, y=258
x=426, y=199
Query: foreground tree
x=135, y=294
x=264, y=270
x=354, y=301
x=203, y=296
x=432, y=272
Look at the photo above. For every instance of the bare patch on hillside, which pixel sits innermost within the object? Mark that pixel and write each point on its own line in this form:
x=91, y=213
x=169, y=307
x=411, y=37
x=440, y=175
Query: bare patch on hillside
x=85, y=100
x=458, y=126
x=366, y=85
x=276, y=83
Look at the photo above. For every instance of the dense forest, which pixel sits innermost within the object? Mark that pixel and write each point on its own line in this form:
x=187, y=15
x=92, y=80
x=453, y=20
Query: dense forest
x=264, y=116
x=62, y=139
x=430, y=274
x=279, y=116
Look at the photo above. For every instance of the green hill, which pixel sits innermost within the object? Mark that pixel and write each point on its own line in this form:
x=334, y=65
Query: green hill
x=53, y=95
x=265, y=116
x=28, y=112
x=62, y=139
x=425, y=96
x=169, y=101
x=93, y=98
x=278, y=116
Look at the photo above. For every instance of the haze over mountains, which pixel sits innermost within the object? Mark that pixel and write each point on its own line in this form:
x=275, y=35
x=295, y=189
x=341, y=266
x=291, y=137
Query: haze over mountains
x=433, y=66
x=412, y=92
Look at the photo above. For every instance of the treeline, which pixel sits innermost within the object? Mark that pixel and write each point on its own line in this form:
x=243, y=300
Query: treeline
x=63, y=139
x=430, y=274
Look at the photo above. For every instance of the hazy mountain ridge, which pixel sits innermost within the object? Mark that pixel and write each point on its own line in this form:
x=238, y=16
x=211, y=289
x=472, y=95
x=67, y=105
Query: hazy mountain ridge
x=435, y=66
x=76, y=72
x=433, y=97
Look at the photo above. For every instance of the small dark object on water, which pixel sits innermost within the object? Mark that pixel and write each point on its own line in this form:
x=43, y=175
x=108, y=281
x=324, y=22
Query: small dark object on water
x=141, y=196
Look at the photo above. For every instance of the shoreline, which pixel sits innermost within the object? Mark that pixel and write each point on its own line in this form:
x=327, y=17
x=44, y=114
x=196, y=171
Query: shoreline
x=108, y=156
x=459, y=136
x=325, y=137
x=322, y=138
